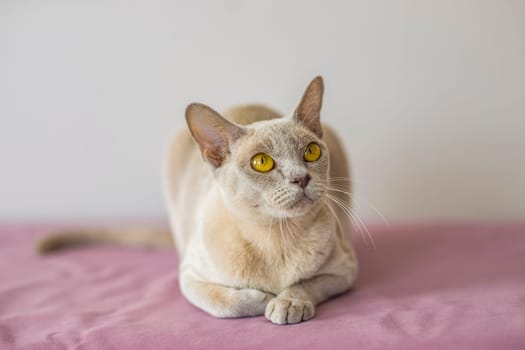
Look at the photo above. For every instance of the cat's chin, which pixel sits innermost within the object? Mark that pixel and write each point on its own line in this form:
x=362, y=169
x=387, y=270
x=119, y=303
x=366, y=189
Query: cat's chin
x=295, y=209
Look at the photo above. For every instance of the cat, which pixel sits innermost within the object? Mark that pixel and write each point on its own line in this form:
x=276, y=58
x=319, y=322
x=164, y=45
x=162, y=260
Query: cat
x=257, y=206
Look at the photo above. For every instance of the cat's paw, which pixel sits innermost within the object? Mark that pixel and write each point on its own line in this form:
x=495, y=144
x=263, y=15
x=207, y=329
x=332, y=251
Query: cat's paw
x=287, y=309
x=230, y=302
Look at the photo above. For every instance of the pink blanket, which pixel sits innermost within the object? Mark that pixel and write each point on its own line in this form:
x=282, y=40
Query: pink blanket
x=422, y=287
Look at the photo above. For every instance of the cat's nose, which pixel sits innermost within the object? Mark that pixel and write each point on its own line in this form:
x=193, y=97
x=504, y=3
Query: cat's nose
x=301, y=181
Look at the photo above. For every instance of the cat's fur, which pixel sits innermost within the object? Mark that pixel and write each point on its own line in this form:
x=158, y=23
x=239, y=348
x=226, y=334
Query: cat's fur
x=258, y=243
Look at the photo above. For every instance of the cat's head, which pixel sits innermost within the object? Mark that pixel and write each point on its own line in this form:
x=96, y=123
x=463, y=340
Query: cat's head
x=278, y=167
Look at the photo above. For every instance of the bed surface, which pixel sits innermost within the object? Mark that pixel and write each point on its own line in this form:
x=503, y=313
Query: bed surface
x=422, y=287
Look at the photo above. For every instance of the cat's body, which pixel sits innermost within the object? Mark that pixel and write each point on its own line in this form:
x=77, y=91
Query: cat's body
x=258, y=240
x=236, y=257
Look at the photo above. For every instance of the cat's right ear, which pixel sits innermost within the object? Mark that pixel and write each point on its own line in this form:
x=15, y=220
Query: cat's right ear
x=213, y=133
x=309, y=109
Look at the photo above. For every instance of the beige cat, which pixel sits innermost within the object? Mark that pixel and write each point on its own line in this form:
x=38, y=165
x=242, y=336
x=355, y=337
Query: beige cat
x=257, y=208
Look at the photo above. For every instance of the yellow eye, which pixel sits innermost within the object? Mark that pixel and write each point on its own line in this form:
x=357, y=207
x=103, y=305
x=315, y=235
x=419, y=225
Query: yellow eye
x=312, y=152
x=262, y=163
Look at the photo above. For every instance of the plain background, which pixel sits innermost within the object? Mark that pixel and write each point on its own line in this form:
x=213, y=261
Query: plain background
x=429, y=97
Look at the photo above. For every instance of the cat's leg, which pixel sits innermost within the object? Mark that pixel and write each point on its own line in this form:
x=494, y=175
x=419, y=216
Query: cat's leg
x=224, y=302
x=297, y=302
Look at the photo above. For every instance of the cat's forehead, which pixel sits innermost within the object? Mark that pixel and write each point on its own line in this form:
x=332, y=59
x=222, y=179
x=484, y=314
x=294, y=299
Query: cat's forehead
x=277, y=136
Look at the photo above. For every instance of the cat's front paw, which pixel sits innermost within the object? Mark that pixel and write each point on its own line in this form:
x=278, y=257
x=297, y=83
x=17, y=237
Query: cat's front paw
x=287, y=309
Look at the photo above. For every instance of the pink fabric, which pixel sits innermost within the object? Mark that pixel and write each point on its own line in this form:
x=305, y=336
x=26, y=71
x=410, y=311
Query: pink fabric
x=423, y=287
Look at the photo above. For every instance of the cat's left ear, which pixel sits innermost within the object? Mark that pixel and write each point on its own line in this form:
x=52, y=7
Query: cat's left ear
x=308, y=112
x=213, y=133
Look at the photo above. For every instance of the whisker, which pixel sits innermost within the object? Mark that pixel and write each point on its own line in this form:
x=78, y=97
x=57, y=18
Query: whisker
x=383, y=218
x=346, y=210
x=339, y=186
x=269, y=230
x=281, y=238
x=354, y=217
x=339, y=190
x=354, y=197
x=367, y=231
x=290, y=231
x=340, y=178
x=335, y=215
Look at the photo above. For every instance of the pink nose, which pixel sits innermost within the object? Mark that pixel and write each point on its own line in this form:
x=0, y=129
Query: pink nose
x=301, y=181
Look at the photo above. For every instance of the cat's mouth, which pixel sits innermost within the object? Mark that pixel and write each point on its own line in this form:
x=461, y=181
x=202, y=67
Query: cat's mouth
x=302, y=197
x=299, y=205
x=293, y=203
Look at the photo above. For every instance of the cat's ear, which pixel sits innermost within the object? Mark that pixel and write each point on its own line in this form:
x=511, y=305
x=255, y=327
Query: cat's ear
x=309, y=109
x=212, y=132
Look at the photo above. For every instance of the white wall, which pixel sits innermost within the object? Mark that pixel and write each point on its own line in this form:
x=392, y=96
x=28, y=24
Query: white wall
x=429, y=96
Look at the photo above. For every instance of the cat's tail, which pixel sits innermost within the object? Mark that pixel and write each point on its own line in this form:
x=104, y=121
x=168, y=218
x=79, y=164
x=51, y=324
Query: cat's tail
x=138, y=237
